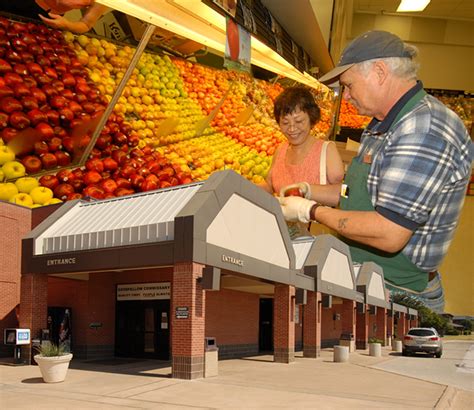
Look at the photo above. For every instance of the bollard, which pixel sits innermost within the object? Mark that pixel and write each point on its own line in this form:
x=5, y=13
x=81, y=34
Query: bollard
x=341, y=354
x=397, y=346
x=375, y=349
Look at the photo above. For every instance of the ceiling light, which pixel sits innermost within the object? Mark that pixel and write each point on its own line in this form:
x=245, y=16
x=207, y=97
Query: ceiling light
x=412, y=5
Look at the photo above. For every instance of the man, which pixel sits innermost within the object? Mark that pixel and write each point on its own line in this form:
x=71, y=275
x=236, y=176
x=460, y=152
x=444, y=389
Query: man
x=404, y=191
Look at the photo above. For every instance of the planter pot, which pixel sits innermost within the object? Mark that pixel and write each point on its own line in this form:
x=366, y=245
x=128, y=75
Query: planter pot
x=53, y=369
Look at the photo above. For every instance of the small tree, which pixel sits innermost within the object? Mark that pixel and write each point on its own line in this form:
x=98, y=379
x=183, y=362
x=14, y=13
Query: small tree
x=428, y=318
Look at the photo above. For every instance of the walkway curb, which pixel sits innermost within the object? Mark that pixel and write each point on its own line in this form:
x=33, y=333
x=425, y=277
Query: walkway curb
x=447, y=399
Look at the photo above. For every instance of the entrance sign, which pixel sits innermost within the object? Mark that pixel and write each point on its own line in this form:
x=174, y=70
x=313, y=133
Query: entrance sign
x=144, y=291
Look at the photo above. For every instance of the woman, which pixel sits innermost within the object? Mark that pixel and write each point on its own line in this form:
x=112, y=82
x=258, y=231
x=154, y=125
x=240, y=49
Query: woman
x=51, y=12
x=297, y=162
x=304, y=165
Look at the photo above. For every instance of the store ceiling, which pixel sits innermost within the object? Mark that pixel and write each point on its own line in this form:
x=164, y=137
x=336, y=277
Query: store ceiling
x=298, y=17
x=446, y=9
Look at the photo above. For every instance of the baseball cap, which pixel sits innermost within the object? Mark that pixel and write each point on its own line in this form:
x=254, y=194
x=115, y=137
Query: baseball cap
x=371, y=45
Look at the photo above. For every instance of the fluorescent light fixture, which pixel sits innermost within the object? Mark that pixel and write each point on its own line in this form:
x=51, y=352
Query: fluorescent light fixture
x=196, y=21
x=412, y=5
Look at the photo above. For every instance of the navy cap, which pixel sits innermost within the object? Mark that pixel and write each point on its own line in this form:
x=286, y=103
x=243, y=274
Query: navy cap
x=368, y=46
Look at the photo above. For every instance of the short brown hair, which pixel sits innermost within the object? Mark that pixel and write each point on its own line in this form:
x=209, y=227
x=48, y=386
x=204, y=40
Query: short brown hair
x=296, y=97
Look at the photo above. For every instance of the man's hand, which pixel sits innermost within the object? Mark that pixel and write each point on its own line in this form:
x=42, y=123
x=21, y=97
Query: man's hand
x=296, y=208
x=299, y=189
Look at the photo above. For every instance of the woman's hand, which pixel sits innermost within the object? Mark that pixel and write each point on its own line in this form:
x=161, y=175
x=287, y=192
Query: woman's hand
x=56, y=21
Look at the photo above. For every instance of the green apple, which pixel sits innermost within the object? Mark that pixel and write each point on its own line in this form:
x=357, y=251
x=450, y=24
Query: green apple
x=7, y=191
x=22, y=199
x=6, y=154
x=26, y=184
x=13, y=169
x=41, y=195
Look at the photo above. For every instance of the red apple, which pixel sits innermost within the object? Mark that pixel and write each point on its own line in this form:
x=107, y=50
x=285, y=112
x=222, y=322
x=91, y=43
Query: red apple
x=95, y=164
x=63, y=190
x=34, y=68
x=32, y=164
x=109, y=185
x=64, y=158
x=37, y=116
x=110, y=164
x=47, y=133
x=29, y=103
x=68, y=144
x=11, y=79
x=137, y=180
x=40, y=148
x=65, y=175
x=53, y=117
x=6, y=91
x=94, y=191
x=119, y=156
x=92, y=177
x=49, y=160
x=54, y=143
x=19, y=120
x=58, y=101
x=39, y=94
x=10, y=104
x=5, y=66
x=73, y=196
x=3, y=120
x=49, y=181
x=124, y=191
x=123, y=183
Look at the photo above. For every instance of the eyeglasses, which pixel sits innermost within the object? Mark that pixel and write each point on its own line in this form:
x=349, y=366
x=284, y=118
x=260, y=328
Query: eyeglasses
x=293, y=124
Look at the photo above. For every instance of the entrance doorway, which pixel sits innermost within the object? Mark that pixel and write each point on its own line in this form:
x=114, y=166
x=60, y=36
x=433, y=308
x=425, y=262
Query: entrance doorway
x=142, y=329
x=265, y=334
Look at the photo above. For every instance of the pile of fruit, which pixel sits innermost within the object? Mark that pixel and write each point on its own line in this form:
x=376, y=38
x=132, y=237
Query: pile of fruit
x=348, y=116
x=54, y=87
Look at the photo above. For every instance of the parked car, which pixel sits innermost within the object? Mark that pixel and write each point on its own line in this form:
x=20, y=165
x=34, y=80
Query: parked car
x=422, y=339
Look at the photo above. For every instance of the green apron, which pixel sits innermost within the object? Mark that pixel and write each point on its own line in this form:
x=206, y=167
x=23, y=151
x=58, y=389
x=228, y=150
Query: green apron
x=397, y=268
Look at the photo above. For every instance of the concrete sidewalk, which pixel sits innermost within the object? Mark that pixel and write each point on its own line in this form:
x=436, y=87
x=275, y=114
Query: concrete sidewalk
x=254, y=382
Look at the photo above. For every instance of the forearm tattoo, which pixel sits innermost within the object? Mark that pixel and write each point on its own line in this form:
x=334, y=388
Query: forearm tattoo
x=342, y=224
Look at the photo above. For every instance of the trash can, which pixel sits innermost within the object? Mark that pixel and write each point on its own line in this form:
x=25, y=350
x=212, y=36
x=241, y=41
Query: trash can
x=347, y=339
x=210, y=357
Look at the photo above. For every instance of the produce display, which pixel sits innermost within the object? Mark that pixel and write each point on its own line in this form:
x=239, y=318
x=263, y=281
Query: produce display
x=461, y=105
x=175, y=122
x=348, y=116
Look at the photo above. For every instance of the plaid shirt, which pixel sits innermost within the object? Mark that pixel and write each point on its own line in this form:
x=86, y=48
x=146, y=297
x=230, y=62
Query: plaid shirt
x=419, y=173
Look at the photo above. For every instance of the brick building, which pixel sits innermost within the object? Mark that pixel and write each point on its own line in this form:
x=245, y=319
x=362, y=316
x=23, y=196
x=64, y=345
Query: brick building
x=153, y=274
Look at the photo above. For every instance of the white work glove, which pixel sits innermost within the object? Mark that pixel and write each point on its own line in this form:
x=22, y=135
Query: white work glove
x=296, y=208
x=303, y=187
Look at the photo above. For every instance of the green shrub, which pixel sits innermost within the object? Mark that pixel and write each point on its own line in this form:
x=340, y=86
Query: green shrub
x=51, y=350
x=375, y=340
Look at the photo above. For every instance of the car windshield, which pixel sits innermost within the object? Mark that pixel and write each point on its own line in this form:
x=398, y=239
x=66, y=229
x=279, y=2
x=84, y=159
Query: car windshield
x=421, y=332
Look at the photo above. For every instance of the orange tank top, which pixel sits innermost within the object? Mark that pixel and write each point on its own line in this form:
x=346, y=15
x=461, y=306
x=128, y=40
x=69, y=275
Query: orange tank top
x=307, y=170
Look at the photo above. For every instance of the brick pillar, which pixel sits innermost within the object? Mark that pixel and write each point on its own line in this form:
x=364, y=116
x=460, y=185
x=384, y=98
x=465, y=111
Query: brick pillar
x=187, y=332
x=362, y=329
x=390, y=325
x=381, y=322
x=348, y=322
x=401, y=326
x=284, y=324
x=312, y=325
x=33, y=307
